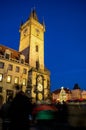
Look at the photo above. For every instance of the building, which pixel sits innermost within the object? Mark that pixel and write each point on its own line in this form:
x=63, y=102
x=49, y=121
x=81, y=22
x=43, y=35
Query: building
x=60, y=95
x=64, y=94
x=76, y=94
x=83, y=94
x=26, y=66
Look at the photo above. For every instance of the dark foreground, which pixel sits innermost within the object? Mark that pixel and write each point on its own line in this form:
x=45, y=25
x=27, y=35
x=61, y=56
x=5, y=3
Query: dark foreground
x=68, y=117
x=53, y=125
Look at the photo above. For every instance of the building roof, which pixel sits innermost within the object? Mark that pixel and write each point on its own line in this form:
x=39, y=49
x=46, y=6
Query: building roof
x=14, y=54
x=58, y=91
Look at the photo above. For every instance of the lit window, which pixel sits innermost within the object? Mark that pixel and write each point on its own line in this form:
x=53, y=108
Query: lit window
x=24, y=82
x=1, y=76
x=16, y=81
x=24, y=71
x=9, y=77
x=10, y=67
x=17, y=69
x=1, y=65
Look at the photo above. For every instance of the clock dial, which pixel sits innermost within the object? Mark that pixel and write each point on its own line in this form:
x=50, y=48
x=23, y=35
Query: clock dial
x=40, y=96
x=40, y=87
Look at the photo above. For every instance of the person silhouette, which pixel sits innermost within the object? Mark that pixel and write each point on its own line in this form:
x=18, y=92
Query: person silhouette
x=21, y=108
x=1, y=103
x=5, y=113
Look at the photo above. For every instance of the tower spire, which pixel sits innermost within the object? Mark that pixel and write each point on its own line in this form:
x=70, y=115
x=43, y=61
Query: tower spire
x=43, y=23
x=33, y=14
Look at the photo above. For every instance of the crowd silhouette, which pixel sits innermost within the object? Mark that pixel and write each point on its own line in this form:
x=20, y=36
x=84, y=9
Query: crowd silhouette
x=16, y=111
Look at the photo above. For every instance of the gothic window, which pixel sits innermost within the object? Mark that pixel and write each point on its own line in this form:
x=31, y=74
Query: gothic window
x=1, y=65
x=37, y=48
x=37, y=64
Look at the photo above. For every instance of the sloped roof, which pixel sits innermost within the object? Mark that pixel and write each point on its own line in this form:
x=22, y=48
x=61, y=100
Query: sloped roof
x=14, y=54
x=58, y=90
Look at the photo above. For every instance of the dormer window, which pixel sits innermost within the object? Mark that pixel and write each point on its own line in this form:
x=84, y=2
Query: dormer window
x=7, y=56
x=22, y=58
x=7, y=53
x=22, y=61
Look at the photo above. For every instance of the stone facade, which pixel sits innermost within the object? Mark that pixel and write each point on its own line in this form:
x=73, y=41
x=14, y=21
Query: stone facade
x=26, y=66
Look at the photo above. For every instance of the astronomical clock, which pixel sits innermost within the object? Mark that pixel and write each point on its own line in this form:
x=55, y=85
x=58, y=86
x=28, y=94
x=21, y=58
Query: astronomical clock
x=40, y=88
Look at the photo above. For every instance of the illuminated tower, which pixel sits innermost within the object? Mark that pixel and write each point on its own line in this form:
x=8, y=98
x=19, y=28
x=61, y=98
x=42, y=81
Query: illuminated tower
x=32, y=47
x=32, y=41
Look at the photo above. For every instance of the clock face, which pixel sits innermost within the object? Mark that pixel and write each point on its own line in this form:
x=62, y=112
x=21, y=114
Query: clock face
x=40, y=87
x=40, y=96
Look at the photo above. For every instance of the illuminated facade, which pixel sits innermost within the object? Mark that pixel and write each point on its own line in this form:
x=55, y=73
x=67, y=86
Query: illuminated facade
x=65, y=94
x=60, y=95
x=26, y=66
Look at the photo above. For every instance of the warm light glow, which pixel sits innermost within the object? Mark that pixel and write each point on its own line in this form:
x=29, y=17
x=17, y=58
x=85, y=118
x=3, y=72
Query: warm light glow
x=16, y=80
x=0, y=77
x=8, y=78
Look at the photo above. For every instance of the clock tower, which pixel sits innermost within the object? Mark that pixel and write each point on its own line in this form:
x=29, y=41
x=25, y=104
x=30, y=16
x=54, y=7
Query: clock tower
x=32, y=47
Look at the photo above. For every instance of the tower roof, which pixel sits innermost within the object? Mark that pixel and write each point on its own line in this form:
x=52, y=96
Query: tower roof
x=34, y=15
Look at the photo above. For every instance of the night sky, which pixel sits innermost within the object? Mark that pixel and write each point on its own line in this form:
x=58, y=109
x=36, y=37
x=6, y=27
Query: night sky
x=65, y=36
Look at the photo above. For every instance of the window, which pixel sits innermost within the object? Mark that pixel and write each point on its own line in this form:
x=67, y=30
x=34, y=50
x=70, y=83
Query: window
x=37, y=48
x=37, y=65
x=10, y=67
x=24, y=71
x=1, y=76
x=17, y=69
x=24, y=81
x=16, y=81
x=22, y=61
x=9, y=77
x=0, y=89
x=22, y=58
x=1, y=65
x=7, y=56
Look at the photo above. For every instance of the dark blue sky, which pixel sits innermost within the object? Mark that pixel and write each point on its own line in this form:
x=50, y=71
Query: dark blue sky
x=65, y=36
